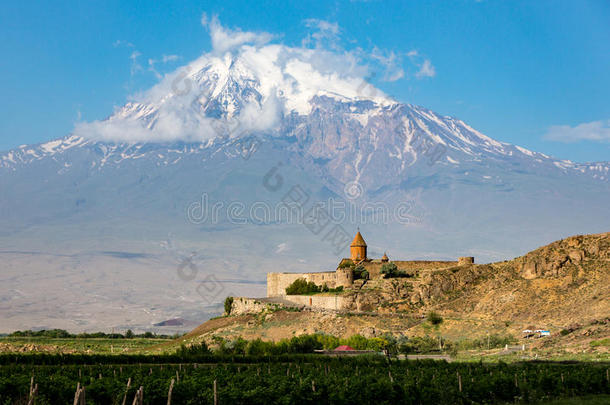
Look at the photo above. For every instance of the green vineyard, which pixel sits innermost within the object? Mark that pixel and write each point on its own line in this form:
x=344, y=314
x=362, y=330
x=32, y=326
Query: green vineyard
x=291, y=379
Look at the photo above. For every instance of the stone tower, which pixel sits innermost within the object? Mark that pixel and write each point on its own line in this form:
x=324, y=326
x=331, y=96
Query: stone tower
x=463, y=261
x=358, y=248
x=345, y=277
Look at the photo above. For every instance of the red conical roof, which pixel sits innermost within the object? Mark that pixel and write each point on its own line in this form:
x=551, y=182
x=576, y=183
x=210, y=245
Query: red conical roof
x=358, y=241
x=343, y=348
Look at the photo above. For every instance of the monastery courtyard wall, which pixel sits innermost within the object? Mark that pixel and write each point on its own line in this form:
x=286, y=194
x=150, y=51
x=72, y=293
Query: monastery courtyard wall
x=277, y=282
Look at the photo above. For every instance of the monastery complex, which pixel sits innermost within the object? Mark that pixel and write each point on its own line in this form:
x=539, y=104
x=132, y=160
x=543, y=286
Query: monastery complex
x=343, y=275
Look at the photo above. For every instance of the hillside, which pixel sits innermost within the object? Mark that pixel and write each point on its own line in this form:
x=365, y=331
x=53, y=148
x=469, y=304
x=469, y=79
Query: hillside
x=563, y=287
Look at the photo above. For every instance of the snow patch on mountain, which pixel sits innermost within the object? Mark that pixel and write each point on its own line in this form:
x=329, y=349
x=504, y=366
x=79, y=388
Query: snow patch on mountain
x=240, y=91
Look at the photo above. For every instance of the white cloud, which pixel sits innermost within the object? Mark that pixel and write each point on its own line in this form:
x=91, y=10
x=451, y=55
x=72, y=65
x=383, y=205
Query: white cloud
x=135, y=65
x=391, y=62
x=426, y=70
x=596, y=131
x=169, y=58
x=326, y=34
x=424, y=65
x=326, y=27
x=224, y=39
x=164, y=59
x=119, y=43
x=282, y=247
x=182, y=105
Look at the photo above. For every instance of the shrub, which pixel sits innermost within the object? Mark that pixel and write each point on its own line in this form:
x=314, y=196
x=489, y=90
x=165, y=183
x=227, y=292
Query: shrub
x=304, y=344
x=434, y=318
x=228, y=305
x=357, y=342
x=602, y=342
x=258, y=347
x=346, y=264
x=193, y=350
x=329, y=342
x=52, y=333
x=389, y=270
x=488, y=342
x=302, y=287
x=424, y=344
x=360, y=273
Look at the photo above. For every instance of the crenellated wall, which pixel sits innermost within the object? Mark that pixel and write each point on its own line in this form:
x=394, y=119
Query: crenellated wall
x=466, y=260
x=243, y=305
x=277, y=282
x=332, y=302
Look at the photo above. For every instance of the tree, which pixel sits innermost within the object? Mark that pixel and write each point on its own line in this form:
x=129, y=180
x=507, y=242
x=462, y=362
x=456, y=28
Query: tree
x=390, y=270
x=228, y=305
x=304, y=344
x=193, y=350
x=257, y=347
x=301, y=287
x=346, y=263
x=360, y=273
x=129, y=334
x=436, y=320
x=357, y=342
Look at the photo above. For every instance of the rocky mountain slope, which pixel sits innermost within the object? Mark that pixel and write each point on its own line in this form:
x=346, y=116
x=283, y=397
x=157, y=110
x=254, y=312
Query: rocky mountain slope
x=563, y=287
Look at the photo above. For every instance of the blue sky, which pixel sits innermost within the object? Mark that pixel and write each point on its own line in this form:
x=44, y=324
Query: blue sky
x=536, y=74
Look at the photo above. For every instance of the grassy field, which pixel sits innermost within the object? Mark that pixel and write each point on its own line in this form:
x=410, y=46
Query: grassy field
x=78, y=345
x=141, y=345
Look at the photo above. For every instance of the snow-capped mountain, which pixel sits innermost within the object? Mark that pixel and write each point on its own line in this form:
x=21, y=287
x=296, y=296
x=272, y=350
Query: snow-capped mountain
x=94, y=209
x=215, y=100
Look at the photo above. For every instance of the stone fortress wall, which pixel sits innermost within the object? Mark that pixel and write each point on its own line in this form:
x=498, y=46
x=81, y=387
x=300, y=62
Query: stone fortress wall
x=244, y=305
x=342, y=276
x=277, y=282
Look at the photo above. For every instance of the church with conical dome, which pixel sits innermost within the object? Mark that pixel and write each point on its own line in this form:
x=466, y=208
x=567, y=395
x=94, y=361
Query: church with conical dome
x=358, y=248
x=355, y=271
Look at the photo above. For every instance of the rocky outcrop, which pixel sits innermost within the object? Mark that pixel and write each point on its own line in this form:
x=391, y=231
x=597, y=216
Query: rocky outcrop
x=437, y=285
x=558, y=258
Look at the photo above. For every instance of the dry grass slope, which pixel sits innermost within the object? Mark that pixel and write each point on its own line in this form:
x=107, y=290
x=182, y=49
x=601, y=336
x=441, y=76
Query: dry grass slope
x=563, y=287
